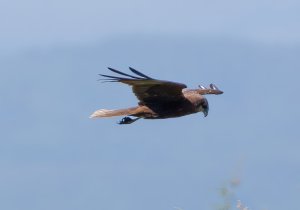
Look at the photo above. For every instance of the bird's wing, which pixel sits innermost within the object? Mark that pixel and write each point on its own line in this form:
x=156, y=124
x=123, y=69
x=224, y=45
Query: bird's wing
x=147, y=89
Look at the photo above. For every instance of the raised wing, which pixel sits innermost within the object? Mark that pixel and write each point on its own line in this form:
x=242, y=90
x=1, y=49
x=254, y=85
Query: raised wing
x=213, y=89
x=147, y=89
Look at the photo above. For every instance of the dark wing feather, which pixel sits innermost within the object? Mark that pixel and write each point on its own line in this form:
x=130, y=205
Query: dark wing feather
x=139, y=73
x=147, y=89
x=119, y=72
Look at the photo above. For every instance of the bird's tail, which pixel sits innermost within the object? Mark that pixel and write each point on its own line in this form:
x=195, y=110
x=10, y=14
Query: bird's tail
x=111, y=113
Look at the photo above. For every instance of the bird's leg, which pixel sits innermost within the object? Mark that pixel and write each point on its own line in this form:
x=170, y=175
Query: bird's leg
x=128, y=120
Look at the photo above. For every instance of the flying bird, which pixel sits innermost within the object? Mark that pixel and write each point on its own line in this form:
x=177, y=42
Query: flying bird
x=158, y=99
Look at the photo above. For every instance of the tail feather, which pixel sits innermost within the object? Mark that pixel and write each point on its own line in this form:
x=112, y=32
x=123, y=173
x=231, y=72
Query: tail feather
x=111, y=113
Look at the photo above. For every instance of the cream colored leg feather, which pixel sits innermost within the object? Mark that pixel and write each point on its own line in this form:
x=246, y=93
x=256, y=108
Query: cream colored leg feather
x=111, y=113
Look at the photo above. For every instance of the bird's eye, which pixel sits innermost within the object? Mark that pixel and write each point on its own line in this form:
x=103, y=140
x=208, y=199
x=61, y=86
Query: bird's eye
x=204, y=105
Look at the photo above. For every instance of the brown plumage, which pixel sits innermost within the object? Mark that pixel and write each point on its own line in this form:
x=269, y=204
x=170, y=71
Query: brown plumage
x=158, y=99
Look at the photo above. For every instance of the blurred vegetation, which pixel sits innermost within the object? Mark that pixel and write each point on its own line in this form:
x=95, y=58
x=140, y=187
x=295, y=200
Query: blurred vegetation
x=229, y=198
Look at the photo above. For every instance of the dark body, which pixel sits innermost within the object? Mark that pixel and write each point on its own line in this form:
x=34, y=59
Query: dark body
x=190, y=104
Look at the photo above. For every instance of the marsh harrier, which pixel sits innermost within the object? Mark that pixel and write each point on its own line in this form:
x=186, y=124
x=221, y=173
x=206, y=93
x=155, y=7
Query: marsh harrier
x=158, y=99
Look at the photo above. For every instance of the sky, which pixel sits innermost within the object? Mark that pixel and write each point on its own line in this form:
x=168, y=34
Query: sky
x=52, y=156
x=32, y=23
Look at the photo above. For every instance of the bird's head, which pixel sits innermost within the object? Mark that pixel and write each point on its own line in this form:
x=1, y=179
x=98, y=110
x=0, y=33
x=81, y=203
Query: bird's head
x=204, y=107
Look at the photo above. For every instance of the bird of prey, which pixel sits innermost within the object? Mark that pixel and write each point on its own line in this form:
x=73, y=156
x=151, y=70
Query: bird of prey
x=158, y=99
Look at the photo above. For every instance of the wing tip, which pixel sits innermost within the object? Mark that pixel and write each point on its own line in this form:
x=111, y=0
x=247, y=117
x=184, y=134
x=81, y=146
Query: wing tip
x=139, y=73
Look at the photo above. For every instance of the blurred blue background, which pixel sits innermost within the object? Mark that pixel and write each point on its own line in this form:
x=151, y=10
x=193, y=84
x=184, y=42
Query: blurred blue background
x=52, y=156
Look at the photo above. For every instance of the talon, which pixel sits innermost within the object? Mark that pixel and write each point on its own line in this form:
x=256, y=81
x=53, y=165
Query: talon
x=127, y=120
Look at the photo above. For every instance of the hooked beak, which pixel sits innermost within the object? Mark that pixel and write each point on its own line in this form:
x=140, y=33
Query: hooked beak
x=205, y=112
